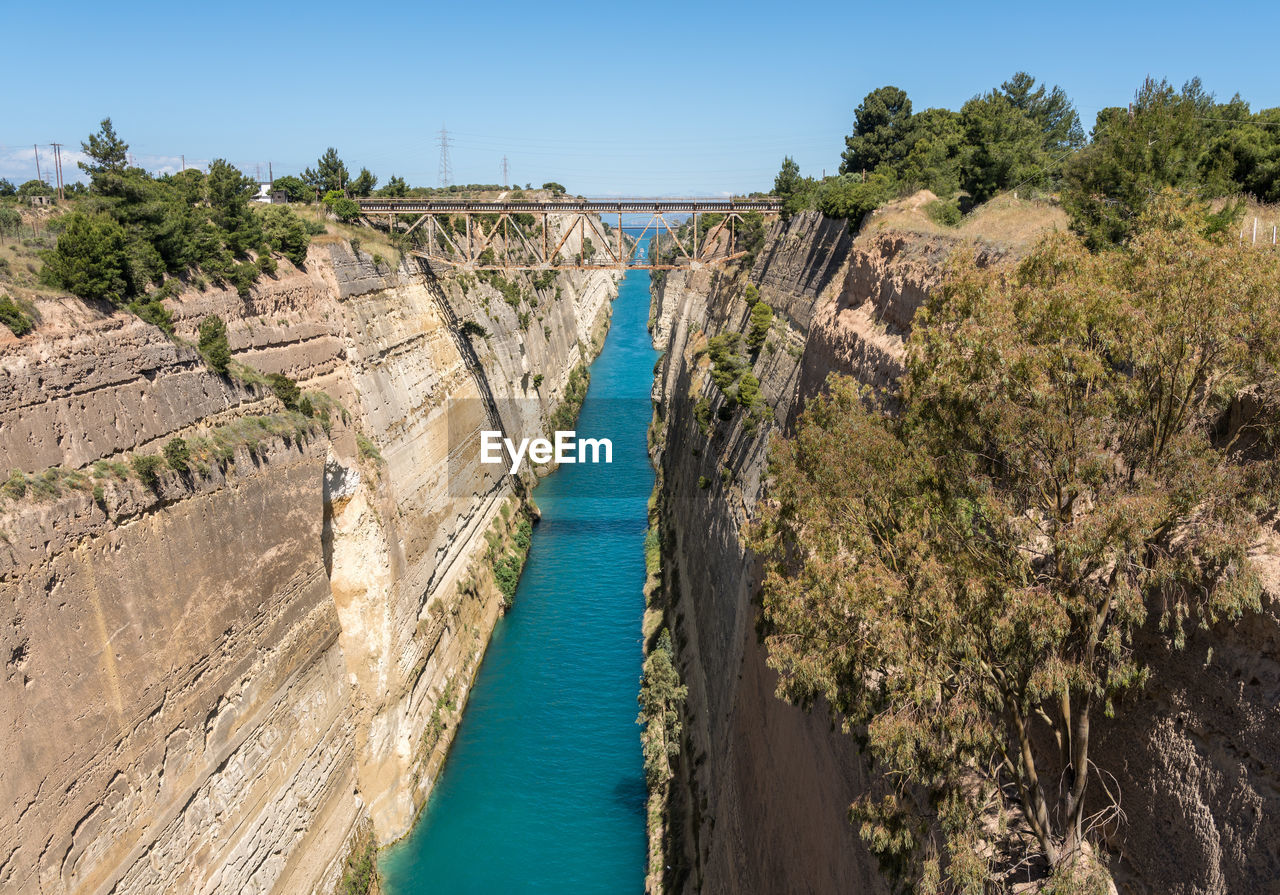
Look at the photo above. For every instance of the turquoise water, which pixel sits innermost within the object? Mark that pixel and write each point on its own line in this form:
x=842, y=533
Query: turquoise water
x=543, y=790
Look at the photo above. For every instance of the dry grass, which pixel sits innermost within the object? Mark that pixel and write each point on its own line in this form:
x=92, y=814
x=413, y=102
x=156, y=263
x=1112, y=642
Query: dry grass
x=1004, y=221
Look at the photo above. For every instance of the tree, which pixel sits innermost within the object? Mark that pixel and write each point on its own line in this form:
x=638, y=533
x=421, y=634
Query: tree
x=34, y=188
x=329, y=174
x=1050, y=109
x=229, y=192
x=286, y=233
x=761, y=320
x=661, y=697
x=934, y=151
x=90, y=259
x=364, y=183
x=343, y=208
x=395, y=188
x=1134, y=154
x=556, y=188
x=880, y=124
x=107, y=153
x=1005, y=148
x=790, y=187
x=214, y=346
x=294, y=188
x=6, y=187
x=10, y=221
x=963, y=581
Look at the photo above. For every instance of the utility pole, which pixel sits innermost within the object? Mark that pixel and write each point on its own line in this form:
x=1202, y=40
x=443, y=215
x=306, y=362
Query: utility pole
x=271, y=174
x=506, y=173
x=184, y=161
x=57, y=168
x=39, y=176
x=446, y=174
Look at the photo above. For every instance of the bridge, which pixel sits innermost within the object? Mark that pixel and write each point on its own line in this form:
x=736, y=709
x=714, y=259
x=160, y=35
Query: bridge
x=488, y=234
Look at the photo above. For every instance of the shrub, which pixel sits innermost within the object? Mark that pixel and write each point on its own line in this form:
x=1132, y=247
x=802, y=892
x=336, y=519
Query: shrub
x=177, y=454
x=286, y=390
x=761, y=320
x=537, y=381
x=471, y=328
x=153, y=311
x=148, y=467
x=91, y=260
x=702, y=413
x=14, y=317
x=16, y=486
x=213, y=344
x=243, y=275
x=306, y=408
x=343, y=209
x=703, y=482
x=941, y=211
x=368, y=450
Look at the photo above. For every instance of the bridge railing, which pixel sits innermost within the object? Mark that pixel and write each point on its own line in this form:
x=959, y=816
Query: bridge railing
x=570, y=206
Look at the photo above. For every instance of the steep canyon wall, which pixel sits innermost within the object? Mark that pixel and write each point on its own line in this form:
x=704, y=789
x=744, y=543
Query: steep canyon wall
x=762, y=790
x=210, y=683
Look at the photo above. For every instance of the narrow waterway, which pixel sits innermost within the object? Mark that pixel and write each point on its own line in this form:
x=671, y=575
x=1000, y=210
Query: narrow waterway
x=544, y=787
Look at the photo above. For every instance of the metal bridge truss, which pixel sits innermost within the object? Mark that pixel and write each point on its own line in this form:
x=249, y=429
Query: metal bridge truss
x=492, y=240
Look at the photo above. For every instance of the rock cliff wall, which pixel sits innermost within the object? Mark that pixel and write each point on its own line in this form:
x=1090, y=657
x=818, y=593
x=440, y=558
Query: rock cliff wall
x=209, y=681
x=762, y=789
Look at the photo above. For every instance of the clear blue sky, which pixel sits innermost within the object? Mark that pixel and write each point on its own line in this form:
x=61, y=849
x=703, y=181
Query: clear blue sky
x=607, y=98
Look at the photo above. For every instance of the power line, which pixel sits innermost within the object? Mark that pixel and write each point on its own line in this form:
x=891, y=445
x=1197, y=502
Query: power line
x=446, y=175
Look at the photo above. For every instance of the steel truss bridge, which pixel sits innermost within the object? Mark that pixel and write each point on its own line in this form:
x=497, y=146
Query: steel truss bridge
x=491, y=238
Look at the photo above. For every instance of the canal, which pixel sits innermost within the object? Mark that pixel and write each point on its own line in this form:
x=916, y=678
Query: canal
x=543, y=789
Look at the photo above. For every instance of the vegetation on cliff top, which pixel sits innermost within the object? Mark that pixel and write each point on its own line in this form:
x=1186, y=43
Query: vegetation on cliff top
x=964, y=581
x=134, y=230
x=1028, y=137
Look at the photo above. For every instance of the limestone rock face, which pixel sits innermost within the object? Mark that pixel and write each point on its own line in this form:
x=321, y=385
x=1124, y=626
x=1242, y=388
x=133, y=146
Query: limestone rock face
x=207, y=684
x=762, y=791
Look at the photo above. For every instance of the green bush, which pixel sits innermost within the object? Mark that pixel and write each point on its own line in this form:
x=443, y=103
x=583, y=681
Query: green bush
x=213, y=345
x=14, y=317
x=148, y=467
x=761, y=320
x=16, y=485
x=537, y=381
x=471, y=328
x=91, y=260
x=943, y=212
x=285, y=389
x=368, y=450
x=702, y=413
x=343, y=208
x=153, y=311
x=177, y=454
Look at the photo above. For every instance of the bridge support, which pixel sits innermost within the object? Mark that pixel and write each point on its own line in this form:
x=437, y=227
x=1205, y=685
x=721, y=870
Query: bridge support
x=477, y=235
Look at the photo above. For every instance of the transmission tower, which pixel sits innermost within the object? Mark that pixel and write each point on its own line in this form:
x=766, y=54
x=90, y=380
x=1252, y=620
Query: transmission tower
x=446, y=174
x=506, y=173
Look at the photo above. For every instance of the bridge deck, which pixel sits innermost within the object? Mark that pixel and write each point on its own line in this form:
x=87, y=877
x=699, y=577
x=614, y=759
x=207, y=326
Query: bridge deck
x=570, y=206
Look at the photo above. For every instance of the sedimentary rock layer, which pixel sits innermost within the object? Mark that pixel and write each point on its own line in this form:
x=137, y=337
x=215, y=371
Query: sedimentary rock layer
x=207, y=683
